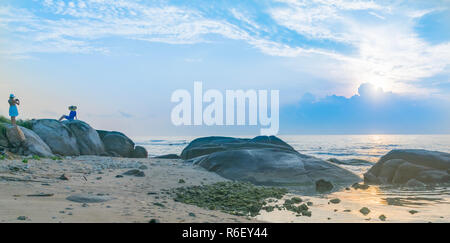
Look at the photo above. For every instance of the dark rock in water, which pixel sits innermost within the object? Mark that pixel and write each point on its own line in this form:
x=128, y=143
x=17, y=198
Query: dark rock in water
x=415, y=183
x=139, y=152
x=168, y=156
x=410, y=167
x=116, y=143
x=134, y=172
x=33, y=144
x=264, y=161
x=355, y=162
x=323, y=186
x=88, y=198
x=360, y=186
x=119, y=176
x=88, y=140
x=57, y=136
x=154, y=221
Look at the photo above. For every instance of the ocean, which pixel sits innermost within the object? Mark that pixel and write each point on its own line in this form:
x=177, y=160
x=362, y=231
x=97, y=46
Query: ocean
x=366, y=147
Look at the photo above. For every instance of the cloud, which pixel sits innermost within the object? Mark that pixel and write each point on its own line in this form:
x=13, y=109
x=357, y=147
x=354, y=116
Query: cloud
x=372, y=110
x=368, y=41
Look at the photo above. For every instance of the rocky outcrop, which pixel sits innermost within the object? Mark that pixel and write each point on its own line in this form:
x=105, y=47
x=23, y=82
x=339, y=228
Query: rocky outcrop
x=410, y=167
x=265, y=161
x=33, y=144
x=119, y=145
x=139, y=152
x=208, y=145
x=88, y=140
x=57, y=136
x=116, y=143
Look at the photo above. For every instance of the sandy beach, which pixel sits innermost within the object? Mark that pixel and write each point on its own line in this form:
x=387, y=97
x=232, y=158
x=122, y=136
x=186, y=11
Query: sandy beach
x=35, y=192
x=38, y=193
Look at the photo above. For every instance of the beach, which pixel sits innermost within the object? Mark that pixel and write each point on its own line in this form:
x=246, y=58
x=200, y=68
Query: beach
x=37, y=192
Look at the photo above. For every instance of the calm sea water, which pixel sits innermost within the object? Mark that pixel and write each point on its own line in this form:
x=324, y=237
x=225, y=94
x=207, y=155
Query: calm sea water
x=368, y=147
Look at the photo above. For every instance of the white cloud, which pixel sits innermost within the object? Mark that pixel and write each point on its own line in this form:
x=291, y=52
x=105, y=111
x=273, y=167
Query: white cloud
x=387, y=52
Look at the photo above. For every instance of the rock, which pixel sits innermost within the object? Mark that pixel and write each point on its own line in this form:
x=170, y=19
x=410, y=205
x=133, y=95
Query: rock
x=415, y=183
x=154, y=221
x=208, y=145
x=117, y=143
x=323, y=186
x=364, y=211
x=64, y=177
x=413, y=211
x=88, y=140
x=181, y=181
x=22, y=218
x=192, y=214
x=360, y=186
x=33, y=144
x=134, y=172
x=119, y=176
x=57, y=136
x=88, y=198
x=168, y=156
x=382, y=217
x=41, y=195
x=335, y=200
x=139, y=152
x=264, y=161
x=402, y=166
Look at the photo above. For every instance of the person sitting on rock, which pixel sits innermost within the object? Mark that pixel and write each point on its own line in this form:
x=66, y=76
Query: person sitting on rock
x=13, y=111
x=72, y=115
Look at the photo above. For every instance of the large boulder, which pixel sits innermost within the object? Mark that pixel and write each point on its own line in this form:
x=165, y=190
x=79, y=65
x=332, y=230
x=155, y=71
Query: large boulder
x=405, y=166
x=116, y=143
x=32, y=145
x=208, y=145
x=88, y=140
x=57, y=136
x=265, y=161
x=4, y=143
x=139, y=152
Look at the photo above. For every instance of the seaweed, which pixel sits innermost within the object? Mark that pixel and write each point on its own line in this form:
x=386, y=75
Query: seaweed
x=236, y=198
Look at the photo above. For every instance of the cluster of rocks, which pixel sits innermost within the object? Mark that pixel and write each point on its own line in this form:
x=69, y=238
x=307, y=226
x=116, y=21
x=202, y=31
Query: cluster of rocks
x=265, y=160
x=410, y=167
x=48, y=137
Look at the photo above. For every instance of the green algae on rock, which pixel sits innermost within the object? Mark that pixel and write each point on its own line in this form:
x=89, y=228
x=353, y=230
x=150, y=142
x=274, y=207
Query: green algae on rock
x=236, y=198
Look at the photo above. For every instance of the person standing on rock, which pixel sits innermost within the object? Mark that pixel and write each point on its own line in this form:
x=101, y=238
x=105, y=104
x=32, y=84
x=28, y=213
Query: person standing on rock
x=72, y=115
x=13, y=111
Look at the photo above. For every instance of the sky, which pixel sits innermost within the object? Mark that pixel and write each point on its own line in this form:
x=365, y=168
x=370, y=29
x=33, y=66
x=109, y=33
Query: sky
x=341, y=66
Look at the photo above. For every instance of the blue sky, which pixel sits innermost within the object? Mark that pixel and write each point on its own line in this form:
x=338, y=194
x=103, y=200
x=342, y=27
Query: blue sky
x=119, y=61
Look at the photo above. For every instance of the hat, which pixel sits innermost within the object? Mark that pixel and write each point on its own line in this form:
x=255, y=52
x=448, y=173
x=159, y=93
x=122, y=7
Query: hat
x=12, y=96
x=72, y=107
